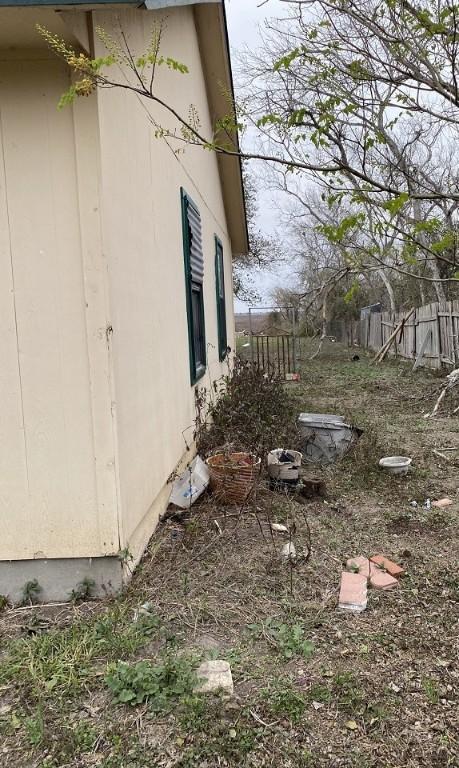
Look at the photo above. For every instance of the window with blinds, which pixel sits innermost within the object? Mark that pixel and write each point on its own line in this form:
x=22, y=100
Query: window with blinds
x=221, y=304
x=194, y=283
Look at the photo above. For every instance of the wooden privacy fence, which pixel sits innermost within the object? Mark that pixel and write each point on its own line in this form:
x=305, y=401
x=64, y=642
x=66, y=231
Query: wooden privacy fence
x=429, y=336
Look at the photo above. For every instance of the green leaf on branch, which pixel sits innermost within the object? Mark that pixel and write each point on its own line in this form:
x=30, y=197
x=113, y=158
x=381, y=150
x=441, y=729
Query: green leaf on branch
x=352, y=292
x=336, y=234
x=447, y=241
x=395, y=205
x=285, y=61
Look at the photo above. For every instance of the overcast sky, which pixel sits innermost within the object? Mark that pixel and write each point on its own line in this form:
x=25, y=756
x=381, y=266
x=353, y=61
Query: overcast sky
x=244, y=21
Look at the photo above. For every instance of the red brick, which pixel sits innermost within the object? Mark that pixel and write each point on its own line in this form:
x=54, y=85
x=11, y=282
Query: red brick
x=382, y=580
x=353, y=592
x=360, y=562
x=389, y=566
x=441, y=503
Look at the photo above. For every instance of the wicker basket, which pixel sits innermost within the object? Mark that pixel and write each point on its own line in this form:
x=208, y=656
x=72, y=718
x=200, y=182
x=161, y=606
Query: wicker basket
x=232, y=476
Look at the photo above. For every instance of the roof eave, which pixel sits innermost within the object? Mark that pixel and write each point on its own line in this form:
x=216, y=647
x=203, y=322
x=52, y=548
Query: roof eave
x=213, y=40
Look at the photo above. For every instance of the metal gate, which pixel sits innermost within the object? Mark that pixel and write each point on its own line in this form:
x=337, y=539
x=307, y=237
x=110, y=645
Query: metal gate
x=274, y=352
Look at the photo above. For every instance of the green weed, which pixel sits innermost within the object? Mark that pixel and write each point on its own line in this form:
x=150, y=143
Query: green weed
x=30, y=592
x=158, y=684
x=431, y=690
x=346, y=690
x=284, y=700
x=35, y=727
x=289, y=638
x=319, y=693
x=84, y=590
x=60, y=661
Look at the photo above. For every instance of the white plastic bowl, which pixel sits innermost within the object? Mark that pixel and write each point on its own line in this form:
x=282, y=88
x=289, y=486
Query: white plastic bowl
x=395, y=465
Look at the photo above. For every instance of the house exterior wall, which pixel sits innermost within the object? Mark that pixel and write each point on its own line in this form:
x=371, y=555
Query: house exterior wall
x=96, y=404
x=50, y=495
x=142, y=233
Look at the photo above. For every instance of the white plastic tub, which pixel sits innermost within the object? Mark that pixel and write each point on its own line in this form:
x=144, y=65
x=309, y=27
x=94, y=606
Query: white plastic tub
x=326, y=437
x=395, y=465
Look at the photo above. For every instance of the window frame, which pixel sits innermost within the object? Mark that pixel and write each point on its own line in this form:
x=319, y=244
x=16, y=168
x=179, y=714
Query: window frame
x=222, y=327
x=197, y=367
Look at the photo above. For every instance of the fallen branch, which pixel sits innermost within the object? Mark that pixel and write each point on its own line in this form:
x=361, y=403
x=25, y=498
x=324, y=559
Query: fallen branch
x=452, y=380
x=262, y=722
x=441, y=455
x=385, y=348
x=319, y=348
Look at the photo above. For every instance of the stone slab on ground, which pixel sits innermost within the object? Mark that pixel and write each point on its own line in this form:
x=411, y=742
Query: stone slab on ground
x=353, y=592
x=214, y=675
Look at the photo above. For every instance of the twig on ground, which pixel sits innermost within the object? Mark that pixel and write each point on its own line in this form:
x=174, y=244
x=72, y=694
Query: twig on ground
x=452, y=380
x=441, y=455
x=262, y=722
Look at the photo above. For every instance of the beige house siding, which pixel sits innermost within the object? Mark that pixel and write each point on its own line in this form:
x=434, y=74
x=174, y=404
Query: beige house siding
x=95, y=395
x=142, y=233
x=48, y=488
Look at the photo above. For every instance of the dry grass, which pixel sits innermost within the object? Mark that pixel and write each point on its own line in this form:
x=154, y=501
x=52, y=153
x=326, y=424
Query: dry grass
x=377, y=690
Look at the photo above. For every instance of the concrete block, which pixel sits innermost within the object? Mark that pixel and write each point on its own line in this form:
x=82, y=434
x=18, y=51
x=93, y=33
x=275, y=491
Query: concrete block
x=214, y=676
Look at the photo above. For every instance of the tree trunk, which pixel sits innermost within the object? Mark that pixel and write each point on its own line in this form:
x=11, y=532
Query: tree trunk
x=324, y=326
x=439, y=290
x=389, y=289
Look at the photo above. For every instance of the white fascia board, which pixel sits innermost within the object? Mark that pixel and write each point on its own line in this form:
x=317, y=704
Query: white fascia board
x=154, y=5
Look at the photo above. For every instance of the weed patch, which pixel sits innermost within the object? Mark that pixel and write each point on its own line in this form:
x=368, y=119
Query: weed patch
x=61, y=660
x=289, y=638
x=159, y=685
x=283, y=700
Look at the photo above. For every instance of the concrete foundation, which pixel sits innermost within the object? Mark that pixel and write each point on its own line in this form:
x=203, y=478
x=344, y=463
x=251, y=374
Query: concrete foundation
x=58, y=577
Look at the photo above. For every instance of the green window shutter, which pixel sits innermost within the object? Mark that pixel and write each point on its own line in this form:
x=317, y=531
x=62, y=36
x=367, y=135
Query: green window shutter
x=194, y=286
x=221, y=304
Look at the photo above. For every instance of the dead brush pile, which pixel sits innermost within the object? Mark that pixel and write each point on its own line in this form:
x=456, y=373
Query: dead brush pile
x=249, y=410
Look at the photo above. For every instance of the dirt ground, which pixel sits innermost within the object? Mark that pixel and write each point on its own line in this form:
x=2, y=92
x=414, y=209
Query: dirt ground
x=313, y=685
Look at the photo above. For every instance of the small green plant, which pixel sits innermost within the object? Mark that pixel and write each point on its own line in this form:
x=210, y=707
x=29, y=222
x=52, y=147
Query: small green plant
x=431, y=690
x=30, y=592
x=125, y=555
x=4, y=603
x=84, y=590
x=84, y=736
x=35, y=727
x=284, y=700
x=319, y=693
x=289, y=638
x=158, y=684
x=347, y=691
x=375, y=714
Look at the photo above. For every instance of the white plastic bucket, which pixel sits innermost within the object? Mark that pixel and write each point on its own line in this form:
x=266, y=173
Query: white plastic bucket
x=284, y=470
